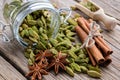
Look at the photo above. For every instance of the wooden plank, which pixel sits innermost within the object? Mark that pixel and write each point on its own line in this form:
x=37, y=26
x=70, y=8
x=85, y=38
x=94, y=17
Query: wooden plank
x=111, y=7
x=113, y=38
x=2, y=78
x=8, y=72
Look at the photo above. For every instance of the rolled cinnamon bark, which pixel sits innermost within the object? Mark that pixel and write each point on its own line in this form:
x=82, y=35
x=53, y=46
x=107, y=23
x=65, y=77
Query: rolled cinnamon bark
x=99, y=40
x=107, y=61
x=91, y=58
x=93, y=50
x=108, y=52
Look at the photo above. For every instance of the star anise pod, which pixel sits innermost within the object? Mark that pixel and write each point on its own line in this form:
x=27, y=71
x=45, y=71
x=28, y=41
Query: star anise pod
x=38, y=69
x=58, y=61
x=41, y=54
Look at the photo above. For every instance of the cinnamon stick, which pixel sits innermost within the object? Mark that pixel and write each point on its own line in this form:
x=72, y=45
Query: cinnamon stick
x=91, y=57
x=93, y=50
x=99, y=40
x=107, y=61
x=109, y=51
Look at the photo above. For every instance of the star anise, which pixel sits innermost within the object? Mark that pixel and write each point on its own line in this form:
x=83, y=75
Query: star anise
x=45, y=54
x=58, y=61
x=38, y=69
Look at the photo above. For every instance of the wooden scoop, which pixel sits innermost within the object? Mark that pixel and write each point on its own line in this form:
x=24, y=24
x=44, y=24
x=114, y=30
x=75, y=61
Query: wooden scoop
x=99, y=14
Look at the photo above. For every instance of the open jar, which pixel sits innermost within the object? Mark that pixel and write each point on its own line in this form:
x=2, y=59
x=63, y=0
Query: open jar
x=15, y=12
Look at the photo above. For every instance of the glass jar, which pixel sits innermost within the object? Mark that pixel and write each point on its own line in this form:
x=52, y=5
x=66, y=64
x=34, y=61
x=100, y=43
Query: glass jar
x=15, y=11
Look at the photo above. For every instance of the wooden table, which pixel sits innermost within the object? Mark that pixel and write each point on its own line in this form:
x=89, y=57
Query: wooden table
x=13, y=64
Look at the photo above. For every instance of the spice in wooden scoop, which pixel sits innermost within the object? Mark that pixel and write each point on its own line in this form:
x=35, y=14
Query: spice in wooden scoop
x=89, y=6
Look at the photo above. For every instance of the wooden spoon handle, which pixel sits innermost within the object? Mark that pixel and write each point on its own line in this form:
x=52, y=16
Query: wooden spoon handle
x=108, y=21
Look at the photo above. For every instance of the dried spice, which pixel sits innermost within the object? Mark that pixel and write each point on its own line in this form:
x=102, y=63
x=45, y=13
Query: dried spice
x=38, y=69
x=36, y=28
x=89, y=6
x=57, y=62
x=69, y=71
x=75, y=67
x=62, y=52
x=41, y=54
x=93, y=74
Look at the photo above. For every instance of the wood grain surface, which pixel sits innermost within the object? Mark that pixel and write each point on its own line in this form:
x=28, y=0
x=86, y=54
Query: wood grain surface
x=8, y=72
x=13, y=52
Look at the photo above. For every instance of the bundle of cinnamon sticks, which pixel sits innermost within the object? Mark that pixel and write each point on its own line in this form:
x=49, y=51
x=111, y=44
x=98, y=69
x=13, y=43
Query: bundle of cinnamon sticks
x=99, y=53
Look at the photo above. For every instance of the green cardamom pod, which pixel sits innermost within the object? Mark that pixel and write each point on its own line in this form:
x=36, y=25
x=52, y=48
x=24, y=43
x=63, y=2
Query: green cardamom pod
x=70, y=34
x=82, y=56
x=44, y=36
x=81, y=51
x=44, y=21
x=75, y=66
x=78, y=60
x=29, y=50
x=31, y=22
x=69, y=27
x=28, y=40
x=41, y=46
x=39, y=22
x=49, y=46
x=84, y=64
x=68, y=41
x=35, y=29
x=33, y=39
x=72, y=54
x=32, y=56
x=70, y=60
x=64, y=43
x=54, y=42
x=40, y=30
x=73, y=8
x=20, y=28
x=29, y=17
x=61, y=48
x=94, y=74
x=77, y=15
x=30, y=62
x=69, y=71
x=44, y=31
x=22, y=34
x=26, y=33
x=50, y=32
x=33, y=34
x=72, y=22
x=71, y=38
x=24, y=26
x=59, y=39
x=53, y=50
x=27, y=55
x=83, y=69
x=76, y=50
x=36, y=13
x=95, y=68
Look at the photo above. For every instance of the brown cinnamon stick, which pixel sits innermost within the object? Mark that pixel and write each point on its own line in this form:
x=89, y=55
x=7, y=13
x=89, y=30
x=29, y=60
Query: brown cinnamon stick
x=93, y=50
x=109, y=51
x=99, y=40
x=107, y=61
x=91, y=57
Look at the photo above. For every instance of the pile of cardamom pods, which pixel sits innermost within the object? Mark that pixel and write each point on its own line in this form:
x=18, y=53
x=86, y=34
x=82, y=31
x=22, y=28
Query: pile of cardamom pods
x=35, y=29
